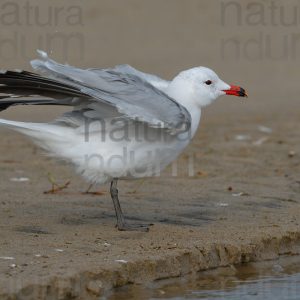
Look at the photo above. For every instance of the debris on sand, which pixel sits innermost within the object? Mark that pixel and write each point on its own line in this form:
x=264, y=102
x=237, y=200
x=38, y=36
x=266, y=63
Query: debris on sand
x=19, y=179
x=121, y=261
x=260, y=141
x=58, y=250
x=222, y=204
x=240, y=194
x=95, y=193
x=264, y=129
x=242, y=137
x=201, y=174
x=55, y=186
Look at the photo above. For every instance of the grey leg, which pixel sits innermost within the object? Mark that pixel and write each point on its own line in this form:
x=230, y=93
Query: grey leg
x=121, y=223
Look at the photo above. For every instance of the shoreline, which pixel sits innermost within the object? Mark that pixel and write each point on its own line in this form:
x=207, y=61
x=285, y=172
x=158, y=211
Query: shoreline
x=93, y=282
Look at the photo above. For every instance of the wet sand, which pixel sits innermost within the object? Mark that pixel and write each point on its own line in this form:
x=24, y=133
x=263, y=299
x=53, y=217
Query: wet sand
x=241, y=205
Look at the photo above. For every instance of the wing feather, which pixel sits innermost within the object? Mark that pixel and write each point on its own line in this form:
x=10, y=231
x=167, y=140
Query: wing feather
x=132, y=95
x=124, y=89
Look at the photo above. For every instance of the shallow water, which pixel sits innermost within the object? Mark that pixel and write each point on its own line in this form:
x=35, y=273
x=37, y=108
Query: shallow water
x=278, y=279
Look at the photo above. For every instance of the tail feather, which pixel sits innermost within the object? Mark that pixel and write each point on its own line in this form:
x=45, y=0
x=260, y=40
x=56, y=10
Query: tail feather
x=50, y=137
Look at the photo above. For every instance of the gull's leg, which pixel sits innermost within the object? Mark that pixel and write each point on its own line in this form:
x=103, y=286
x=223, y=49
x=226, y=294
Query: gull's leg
x=117, y=206
x=121, y=223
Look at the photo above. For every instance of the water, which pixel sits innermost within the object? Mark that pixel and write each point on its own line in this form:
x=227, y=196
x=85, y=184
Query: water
x=254, y=281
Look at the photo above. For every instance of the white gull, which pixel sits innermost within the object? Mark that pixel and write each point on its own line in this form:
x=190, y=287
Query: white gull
x=125, y=124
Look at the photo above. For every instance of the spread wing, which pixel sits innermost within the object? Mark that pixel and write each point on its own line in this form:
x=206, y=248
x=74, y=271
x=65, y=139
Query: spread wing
x=94, y=89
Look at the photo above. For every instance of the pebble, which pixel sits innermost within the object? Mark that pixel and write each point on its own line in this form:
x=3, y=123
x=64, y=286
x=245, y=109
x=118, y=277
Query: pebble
x=292, y=153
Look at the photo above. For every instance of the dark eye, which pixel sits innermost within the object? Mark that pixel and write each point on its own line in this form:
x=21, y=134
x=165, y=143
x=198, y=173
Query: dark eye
x=208, y=82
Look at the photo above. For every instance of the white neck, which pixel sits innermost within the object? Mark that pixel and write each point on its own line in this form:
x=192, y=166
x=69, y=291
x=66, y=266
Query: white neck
x=184, y=95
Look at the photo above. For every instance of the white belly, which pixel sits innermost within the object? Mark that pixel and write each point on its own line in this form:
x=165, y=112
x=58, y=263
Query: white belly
x=101, y=158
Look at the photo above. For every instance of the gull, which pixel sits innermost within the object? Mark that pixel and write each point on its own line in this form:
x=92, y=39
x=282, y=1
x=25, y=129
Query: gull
x=124, y=124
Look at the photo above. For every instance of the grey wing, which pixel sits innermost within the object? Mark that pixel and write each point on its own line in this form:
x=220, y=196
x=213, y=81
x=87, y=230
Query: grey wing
x=130, y=94
x=154, y=80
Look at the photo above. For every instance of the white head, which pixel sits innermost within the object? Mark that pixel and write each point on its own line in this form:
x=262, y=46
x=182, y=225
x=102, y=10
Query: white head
x=201, y=86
